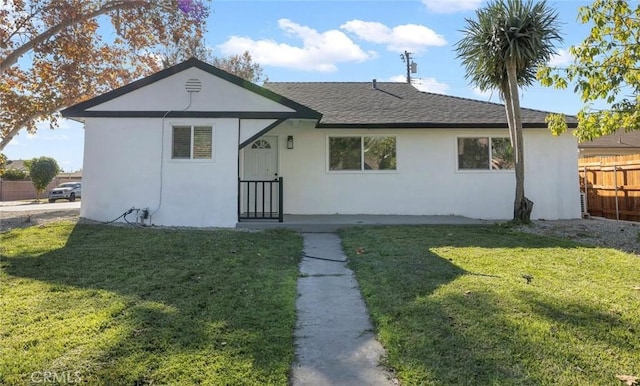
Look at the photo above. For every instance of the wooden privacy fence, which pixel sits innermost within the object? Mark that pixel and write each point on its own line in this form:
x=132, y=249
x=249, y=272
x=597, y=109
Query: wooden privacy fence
x=610, y=186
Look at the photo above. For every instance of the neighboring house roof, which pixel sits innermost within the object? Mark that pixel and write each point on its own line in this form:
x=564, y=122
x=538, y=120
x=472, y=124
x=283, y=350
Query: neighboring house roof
x=81, y=110
x=17, y=164
x=360, y=104
x=619, y=140
x=71, y=175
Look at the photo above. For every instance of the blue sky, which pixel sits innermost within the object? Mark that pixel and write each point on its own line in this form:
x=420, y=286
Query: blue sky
x=338, y=40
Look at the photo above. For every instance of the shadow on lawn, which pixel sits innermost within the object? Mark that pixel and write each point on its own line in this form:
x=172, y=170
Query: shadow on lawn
x=197, y=302
x=468, y=333
x=607, y=327
x=422, y=337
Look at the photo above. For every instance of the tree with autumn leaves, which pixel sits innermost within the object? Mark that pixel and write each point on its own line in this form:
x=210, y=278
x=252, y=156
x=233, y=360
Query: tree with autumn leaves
x=55, y=53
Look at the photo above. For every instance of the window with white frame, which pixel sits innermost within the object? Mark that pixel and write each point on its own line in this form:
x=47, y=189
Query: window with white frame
x=485, y=153
x=362, y=153
x=192, y=142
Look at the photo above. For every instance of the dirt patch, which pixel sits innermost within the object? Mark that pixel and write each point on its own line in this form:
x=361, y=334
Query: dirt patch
x=621, y=235
x=12, y=220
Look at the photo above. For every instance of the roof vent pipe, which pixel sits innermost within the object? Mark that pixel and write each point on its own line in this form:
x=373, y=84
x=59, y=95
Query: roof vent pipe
x=374, y=84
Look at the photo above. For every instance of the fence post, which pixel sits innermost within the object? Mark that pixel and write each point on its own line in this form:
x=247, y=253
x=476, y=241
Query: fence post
x=280, y=200
x=586, y=192
x=615, y=182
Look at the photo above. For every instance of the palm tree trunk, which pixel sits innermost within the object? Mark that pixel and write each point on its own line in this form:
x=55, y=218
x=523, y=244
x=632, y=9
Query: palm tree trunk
x=508, y=104
x=522, y=206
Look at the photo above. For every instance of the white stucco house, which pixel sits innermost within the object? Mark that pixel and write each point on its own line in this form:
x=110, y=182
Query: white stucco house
x=195, y=146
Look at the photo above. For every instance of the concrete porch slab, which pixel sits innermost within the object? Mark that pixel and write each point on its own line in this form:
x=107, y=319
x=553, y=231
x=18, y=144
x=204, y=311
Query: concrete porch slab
x=332, y=223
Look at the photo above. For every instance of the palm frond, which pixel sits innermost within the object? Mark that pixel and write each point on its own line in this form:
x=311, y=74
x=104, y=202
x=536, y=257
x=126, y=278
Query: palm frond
x=505, y=32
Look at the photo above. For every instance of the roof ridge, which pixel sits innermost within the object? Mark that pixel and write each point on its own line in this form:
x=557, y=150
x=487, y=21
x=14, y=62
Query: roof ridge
x=329, y=82
x=485, y=102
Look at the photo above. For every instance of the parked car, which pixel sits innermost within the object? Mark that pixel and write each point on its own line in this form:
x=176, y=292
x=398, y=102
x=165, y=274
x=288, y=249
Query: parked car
x=68, y=190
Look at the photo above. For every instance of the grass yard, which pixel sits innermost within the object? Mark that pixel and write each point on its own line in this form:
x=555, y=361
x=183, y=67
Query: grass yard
x=451, y=306
x=130, y=306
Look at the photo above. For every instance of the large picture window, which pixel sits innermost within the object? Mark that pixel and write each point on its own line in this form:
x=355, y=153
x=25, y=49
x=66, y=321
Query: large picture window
x=192, y=142
x=360, y=153
x=485, y=153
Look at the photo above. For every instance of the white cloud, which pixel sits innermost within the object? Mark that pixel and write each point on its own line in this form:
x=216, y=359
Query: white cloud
x=319, y=51
x=430, y=85
x=45, y=133
x=63, y=124
x=411, y=37
x=423, y=84
x=398, y=78
x=452, y=6
x=487, y=95
x=561, y=59
x=48, y=137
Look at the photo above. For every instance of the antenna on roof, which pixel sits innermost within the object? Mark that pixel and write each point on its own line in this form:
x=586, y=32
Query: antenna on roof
x=412, y=67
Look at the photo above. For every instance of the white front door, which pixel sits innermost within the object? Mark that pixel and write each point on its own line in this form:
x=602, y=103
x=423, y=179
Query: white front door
x=260, y=164
x=261, y=159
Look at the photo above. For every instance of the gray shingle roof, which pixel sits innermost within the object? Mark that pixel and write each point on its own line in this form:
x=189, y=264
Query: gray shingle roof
x=397, y=105
x=619, y=139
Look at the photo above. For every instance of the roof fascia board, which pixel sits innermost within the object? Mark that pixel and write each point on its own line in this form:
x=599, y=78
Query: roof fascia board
x=430, y=125
x=189, y=114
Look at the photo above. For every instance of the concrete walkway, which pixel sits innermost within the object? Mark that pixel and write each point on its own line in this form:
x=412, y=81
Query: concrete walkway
x=335, y=344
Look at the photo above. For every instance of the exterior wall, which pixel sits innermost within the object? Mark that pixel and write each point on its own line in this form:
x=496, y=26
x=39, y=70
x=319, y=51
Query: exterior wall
x=127, y=164
x=427, y=181
x=251, y=127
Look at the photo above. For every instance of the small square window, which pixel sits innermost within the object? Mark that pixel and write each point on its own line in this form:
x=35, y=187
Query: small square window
x=192, y=142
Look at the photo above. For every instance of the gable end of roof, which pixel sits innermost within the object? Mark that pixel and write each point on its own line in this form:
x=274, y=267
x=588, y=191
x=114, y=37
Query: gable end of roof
x=79, y=110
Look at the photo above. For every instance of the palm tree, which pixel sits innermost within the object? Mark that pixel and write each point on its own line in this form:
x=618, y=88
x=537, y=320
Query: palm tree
x=501, y=50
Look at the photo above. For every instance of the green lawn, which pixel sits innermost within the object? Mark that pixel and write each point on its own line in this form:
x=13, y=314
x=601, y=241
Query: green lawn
x=451, y=306
x=124, y=306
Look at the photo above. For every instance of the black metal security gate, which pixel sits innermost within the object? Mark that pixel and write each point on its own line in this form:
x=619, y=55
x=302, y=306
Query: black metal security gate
x=260, y=199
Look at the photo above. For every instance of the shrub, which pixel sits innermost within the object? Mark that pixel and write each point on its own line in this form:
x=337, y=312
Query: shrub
x=14, y=175
x=42, y=171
